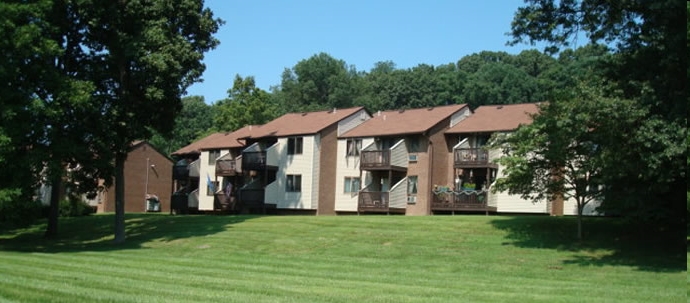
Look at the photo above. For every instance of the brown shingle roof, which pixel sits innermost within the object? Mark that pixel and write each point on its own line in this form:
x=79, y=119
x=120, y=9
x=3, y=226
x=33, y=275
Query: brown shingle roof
x=294, y=124
x=403, y=122
x=493, y=118
x=218, y=141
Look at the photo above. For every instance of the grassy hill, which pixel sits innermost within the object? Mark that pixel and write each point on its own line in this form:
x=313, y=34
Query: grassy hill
x=342, y=259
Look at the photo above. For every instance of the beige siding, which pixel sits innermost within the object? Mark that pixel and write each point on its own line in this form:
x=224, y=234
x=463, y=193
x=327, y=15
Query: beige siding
x=505, y=202
x=207, y=171
x=292, y=165
x=352, y=121
x=398, y=195
x=570, y=208
x=348, y=166
x=459, y=116
x=399, y=154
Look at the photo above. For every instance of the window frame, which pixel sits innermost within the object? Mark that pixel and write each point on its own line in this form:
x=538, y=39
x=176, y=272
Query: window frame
x=211, y=158
x=357, y=144
x=348, y=185
x=412, y=185
x=293, y=183
x=295, y=145
x=209, y=192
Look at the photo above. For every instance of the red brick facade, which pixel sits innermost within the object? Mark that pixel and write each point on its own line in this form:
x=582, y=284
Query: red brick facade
x=158, y=180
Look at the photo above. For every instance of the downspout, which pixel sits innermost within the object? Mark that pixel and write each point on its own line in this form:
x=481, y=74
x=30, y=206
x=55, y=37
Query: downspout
x=429, y=197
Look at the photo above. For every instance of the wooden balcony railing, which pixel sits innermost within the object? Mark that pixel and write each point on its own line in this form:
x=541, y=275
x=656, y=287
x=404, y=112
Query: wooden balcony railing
x=254, y=160
x=251, y=200
x=459, y=200
x=471, y=156
x=226, y=167
x=373, y=201
x=225, y=203
x=375, y=159
x=181, y=172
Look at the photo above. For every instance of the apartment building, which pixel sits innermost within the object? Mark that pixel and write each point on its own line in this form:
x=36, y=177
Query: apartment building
x=208, y=172
x=291, y=162
x=392, y=162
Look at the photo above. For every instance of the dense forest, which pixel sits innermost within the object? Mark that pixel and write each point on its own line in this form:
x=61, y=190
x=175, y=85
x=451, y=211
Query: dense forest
x=323, y=82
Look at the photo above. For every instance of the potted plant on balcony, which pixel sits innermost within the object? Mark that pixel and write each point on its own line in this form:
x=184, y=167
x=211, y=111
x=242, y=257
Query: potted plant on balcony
x=469, y=186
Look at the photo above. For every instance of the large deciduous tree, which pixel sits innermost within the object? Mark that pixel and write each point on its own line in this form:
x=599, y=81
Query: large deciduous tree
x=565, y=152
x=319, y=82
x=247, y=104
x=144, y=55
x=25, y=50
x=648, y=174
x=193, y=122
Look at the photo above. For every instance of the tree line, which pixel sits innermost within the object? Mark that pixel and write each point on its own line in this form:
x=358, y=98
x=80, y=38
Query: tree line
x=323, y=82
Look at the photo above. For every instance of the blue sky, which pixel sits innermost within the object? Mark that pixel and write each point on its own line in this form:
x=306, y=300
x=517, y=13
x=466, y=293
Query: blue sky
x=262, y=38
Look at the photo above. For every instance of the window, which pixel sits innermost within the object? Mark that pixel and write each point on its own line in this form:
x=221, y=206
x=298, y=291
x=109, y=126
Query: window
x=211, y=187
x=293, y=183
x=413, y=144
x=295, y=146
x=354, y=146
x=412, y=185
x=212, y=156
x=352, y=184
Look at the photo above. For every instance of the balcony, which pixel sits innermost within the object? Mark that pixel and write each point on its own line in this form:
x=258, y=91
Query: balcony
x=394, y=200
x=251, y=200
x=254, y=160
x=227, y=166
x=395, y=158
x=225, y=203
x=194, y=169
x=465, y=200
x=181, y=171
x=375, y=159
x=373, y=201
x=472, y=157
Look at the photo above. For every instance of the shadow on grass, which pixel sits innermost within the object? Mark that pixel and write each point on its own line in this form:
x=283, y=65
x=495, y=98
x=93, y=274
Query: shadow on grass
x=95, y=232
x=607, y=241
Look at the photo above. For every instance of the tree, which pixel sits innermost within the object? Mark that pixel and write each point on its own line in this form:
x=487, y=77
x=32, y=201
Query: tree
x=46, y=100
x=564, y=152
x=500, y=83
x=143, y=56
x=650, y=54
x=193, y=122
x=319, y=82
x=24, y=49
x=247, y=104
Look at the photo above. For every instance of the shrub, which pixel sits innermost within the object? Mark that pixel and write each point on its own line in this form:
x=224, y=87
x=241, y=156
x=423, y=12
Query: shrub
x=74, y=208
x=16, y=210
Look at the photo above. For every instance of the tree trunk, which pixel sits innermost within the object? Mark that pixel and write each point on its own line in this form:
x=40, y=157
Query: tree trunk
x=120, y=198
x=580, y=208
x=54, y=210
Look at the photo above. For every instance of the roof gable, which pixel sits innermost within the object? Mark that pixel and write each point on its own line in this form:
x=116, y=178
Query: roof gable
x=294, y=124
x=220, y=140
x=493, y=118
x=403, y=122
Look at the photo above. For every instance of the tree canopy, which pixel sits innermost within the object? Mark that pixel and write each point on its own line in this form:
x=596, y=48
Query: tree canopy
x=648, y=173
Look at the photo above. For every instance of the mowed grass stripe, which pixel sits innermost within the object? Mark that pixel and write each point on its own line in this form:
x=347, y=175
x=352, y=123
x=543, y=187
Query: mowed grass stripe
x=333, y=259
x=210, y=273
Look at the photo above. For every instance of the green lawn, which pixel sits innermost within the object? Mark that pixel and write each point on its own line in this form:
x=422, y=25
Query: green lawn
x=342, y=259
